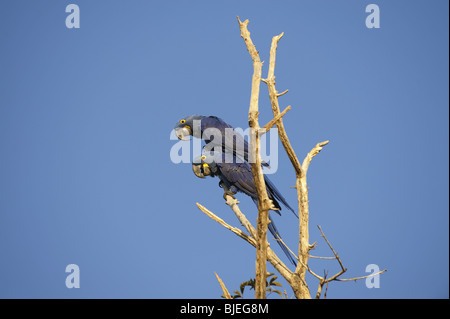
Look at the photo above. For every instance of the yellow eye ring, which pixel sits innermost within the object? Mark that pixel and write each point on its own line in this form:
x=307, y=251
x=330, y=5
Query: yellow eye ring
x=203, y=157
x=183, y=121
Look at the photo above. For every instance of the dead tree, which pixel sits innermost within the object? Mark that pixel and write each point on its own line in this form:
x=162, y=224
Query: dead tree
x=258, y=237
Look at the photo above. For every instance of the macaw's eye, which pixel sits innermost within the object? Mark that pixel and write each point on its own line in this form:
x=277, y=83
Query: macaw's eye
x=183, y=121
x=203, y=157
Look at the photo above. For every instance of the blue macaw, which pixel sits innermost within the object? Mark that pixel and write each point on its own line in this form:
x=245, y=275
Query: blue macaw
x=232, y=141
x=237, y=177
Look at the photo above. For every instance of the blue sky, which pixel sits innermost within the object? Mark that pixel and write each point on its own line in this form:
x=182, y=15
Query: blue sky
x=86, y=115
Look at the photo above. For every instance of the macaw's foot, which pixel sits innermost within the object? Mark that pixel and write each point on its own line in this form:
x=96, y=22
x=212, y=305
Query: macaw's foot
x=229, y=193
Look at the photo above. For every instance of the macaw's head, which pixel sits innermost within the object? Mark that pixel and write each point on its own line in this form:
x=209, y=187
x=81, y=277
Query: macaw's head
x=204, y=166
x=185, y=126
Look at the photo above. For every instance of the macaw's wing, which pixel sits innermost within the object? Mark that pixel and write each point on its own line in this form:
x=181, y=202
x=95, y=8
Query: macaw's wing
x=214, y=122
x=240, y=176
x=232, y=141
x=274, y=193
x=209, y=123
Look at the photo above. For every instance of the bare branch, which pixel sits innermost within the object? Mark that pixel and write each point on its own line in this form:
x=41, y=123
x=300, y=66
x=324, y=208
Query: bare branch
x=287, y=247
x=299, y=286
x=326, y=290
x=264, y=204
x=272, y=122
x=282, y=93
x=312, y=272
x=329, y=245
x=273, y=51
x=245, y=34
x=258, y=237
x=273, y=94
x=316, y=150
x=319, y=257
x=235, y=230
x=319, y=289
x=363, y=277
x=271, y=256
x=232, y=202
x=224, y=289
x=325, y=280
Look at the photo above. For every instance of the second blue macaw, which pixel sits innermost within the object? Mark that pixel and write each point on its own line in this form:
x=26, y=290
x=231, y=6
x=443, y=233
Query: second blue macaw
x=237, y=177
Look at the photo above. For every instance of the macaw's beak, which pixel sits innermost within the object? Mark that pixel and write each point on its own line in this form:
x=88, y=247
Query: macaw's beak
x=201, y=170
x=206, y=169
x=182, y=132
x=197, y=169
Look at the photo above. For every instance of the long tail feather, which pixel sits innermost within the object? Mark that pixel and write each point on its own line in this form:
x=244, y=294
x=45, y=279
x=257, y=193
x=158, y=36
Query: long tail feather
x=276, y=234
x=274, y=231
x=277, y=195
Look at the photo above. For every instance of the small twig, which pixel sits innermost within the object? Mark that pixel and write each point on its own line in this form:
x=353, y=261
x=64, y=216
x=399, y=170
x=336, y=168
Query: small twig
x=316, y=150
x=325, y=280
x=235, y=230
x=311, y=272
x=336, y=275
x=224, y=289
x=363, y=277
x=269, y=125
x=281, y=241
x=282, y=93
x=334, y=252
x=319, y=257
x=326, y=290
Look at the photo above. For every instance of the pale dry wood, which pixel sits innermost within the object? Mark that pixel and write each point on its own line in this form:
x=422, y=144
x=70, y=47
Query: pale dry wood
x=300, y=287
x=316, y=150
x=272, y=122
x=303, y=247
x=320, y=257
x=264, y=204
x=324, y=280
x=258, y=238
x=235, y=230
x=362, y=277
x=331, y=247
x=232, y=202
x=302, y=196
x=282, y=93
x=271, y=256
x=273, y=94
x=295, y=279
x=222, y=285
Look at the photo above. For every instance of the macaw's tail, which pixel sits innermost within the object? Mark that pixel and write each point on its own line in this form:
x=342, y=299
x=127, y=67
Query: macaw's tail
x=276, y=234
x=274, y=194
